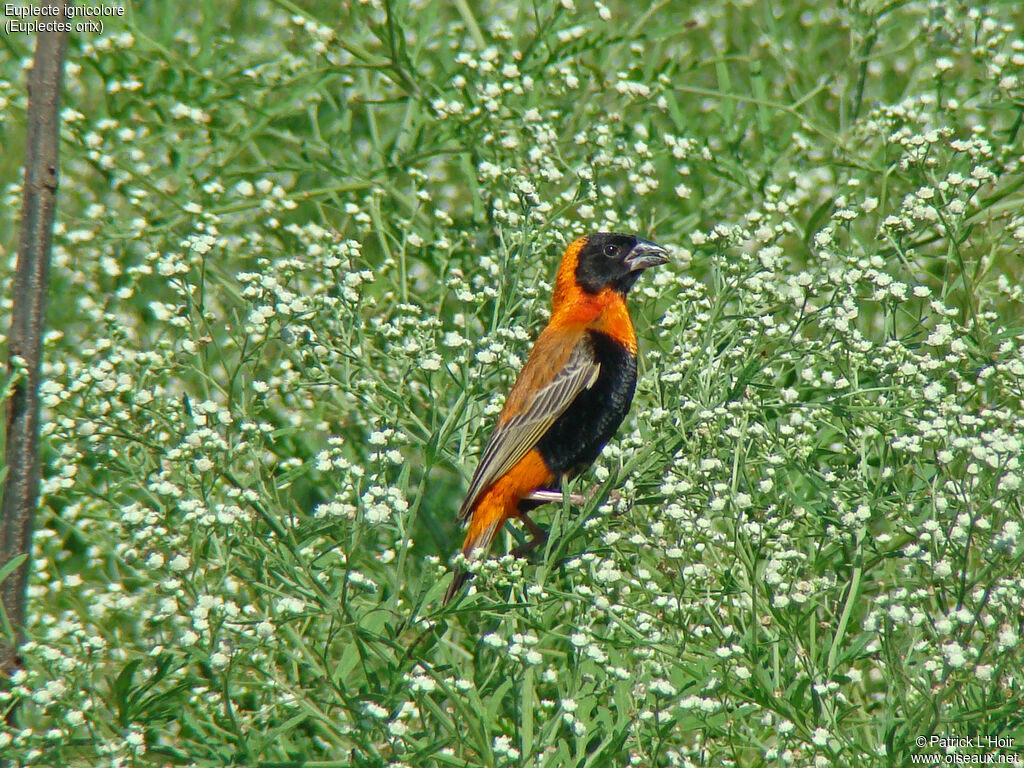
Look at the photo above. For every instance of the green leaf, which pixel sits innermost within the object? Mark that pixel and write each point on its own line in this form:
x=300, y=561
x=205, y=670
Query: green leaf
x=123, y=689
x=11, y=565
x=527, y=696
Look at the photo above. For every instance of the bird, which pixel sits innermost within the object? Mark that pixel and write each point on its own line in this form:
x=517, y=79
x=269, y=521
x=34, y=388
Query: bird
x=569, y=398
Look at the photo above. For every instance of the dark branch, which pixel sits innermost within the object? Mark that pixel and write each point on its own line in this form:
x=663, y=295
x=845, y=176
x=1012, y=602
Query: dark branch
x=31, y=281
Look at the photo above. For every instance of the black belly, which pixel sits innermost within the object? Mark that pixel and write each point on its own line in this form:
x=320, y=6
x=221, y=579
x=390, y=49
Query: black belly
x=575, y=440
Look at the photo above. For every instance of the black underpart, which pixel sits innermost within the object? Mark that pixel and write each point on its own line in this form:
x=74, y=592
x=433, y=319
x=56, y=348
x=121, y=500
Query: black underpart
x=576, y=438
x=602, y=263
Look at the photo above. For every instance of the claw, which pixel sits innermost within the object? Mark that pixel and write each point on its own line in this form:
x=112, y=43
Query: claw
x=537, y=537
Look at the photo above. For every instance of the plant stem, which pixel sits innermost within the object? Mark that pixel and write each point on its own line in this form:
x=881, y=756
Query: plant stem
x=31, y=280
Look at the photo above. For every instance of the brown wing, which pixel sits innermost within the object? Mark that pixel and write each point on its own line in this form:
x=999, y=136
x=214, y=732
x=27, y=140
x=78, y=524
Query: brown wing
x=560, y=367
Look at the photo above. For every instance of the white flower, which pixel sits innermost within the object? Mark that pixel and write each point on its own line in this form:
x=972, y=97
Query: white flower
x=954, y=654
x=378, y=513
x=453, y=340
x=219, y=660
x=941, y=335
x=663, y=688
x=503, y=746
x=423, y=683
x=1008, y=637
x=934, y=391
x=398, y=728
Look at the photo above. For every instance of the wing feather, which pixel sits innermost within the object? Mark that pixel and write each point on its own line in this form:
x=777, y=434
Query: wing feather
x=521, y=431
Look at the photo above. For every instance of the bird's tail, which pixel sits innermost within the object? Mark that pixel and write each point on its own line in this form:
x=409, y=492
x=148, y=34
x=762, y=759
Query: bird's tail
x=484, y=523
x=460, y=577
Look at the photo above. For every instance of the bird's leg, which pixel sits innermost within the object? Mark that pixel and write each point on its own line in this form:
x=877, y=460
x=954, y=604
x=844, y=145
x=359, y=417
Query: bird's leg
x=545, y=496
x=537, y=537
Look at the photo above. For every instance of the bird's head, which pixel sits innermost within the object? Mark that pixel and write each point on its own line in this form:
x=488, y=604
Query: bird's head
x=612, y=260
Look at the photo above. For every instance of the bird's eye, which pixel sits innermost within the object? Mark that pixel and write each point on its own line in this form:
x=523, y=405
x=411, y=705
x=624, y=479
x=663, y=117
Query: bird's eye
x=610, y=250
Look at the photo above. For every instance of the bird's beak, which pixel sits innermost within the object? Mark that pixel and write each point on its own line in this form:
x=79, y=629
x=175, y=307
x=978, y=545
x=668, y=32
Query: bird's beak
x=645, y=254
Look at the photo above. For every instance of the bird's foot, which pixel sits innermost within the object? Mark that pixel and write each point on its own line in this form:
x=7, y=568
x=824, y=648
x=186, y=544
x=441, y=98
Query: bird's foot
x=538, y=536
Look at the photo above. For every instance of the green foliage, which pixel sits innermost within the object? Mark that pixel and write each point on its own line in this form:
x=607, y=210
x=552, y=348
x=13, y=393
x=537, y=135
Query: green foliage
x=301, y=256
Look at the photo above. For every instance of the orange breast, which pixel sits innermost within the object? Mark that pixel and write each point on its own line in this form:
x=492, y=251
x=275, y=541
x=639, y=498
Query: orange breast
x=604, y=311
